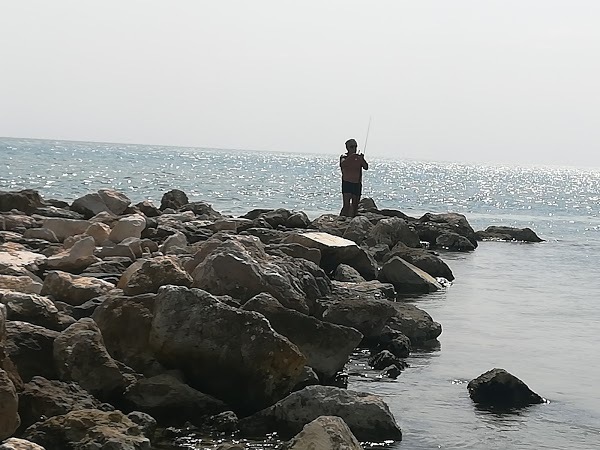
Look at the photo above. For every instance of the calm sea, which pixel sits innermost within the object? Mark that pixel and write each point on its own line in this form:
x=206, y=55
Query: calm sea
x=533, y=309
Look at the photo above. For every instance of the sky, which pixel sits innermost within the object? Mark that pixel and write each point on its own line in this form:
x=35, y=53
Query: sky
x=501, y=81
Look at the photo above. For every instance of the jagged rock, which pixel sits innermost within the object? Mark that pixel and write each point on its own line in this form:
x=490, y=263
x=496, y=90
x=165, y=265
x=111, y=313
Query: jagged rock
x=358, y=229
x=430, y=226
x=76, y=258
x=173, y=199
x=225, y=422
x=20, y=284
x=89, y=429
x=80, y=356
x=146, y=422
x=35, y=309
x=325, y=345
x=201, y=210
x=331, y=224
x=58, y=211
x=454, y=242
x=154, y=273
x=128, y=227
x=14, y=221
x=232, y=354
x=9, y=406
x=15, y=256
x=19, y=444
x=63, y=228
x=414, y=323
x=391, y=231
x=267, y=236
x=501, y=233
x=99, y=231
x=297, y=220
x=170, y=401
x=295, y=251
x=105, y=200
x=407, y=278
x=40, y=233
x=344, y=272
x=175, y=240
x=382, y=360
x=148, y=209
x=125, y=323
x=335, y=251
x=498, y=388
x=325, y=432
x=26, y=200
x=421, y=258
x=128, y=248
x=367, y=415
x=30, y=347
x=43, y=398
x=72, y=289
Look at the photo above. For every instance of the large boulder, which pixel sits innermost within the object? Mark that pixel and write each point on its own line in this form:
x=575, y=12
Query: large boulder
x=22, y=283
x=498, y=388
x=88, y=429
x=105, y=200
x=232, y=354
x=19, y=444
x=501, y=233
x=430, y=226
x=30, y=347
x=125, y=323
x=72, y=289
x=26, y=200
x=64, y=228
x=406, y=278
x=335, y=251
x=171, y=401
x=41, y=398
x=423, y=259
x=367, y=415
x=391, y=231
x=414, y=323
x=154, y=273
x=75, y=258
x=325, y=432
x=128, y=227
x=358, y=229
x=174, y=199
x=80, y=356
x=35, y=309
x=17, y=257
x=40, y=233
x=325, y=345
x=9, y=406
x=454, y=242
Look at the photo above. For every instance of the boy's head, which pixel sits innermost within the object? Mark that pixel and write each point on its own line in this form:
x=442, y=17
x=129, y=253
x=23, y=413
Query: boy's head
x=351, y=145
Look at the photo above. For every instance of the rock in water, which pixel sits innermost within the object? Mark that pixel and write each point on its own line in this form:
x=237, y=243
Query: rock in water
x=499, y=388
x=326, y=432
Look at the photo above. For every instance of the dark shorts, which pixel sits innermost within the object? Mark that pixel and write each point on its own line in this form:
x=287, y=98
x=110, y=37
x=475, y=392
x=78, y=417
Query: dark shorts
x=351, y=188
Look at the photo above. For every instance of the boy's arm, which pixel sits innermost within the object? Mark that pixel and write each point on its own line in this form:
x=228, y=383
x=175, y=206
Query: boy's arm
x=342, y=160
x=364, y=163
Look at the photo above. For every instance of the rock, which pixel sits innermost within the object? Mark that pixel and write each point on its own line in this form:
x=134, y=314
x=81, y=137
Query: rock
x=128, y=248
x=331, y=224
x=58, y=211
x=13, y=221
x=40, y=233
x=454, y=242
x=105, y=200
x=30, y=347
x=414, y=323
x=34, y=309
x=201, y=210
x=125, y=324
x=63, y=228
x=382, y=360
x=19, y=444
x=173, y=199
x=9, y=406
x=170, y=401
x=177, y=240
x=358, y=229
x=508, y=234
x=146, y=422
x=42, y=398
x=421, y=258
x=335, y=251
x=20, y=284
x=367, y=415
x=128, y=227
x=99, y=231
x=15, y=256
x=72, y=289
x=266, y=235
x=295, y=251
x=430, y=226
x=498, y=388
x=325, y=345
x=407, y=278
x=154, y=273
x=325, y=432
x=391, y=231
x=308, y=377
x=26, y=200
x=76, y=258
x=232, y=354
x=297, y=220
x=225, y=422
x=2, y=331
x=148, y=209
x=344, y=272
x=80, y=356
x=89, y=429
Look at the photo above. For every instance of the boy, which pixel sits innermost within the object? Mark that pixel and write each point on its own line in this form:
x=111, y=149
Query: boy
x=352, y=165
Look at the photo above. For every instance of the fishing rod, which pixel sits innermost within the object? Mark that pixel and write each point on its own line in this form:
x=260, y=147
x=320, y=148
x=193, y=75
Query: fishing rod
x=367, y=137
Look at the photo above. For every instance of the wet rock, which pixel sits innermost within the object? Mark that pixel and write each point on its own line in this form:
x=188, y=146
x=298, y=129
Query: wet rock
x=30, y=347
x=407, y=278
x=154, y=273
x=500, y=233
x=430, y=226
x=80, y=356
x=325, y=432
x=308, y=377
x=391, y=231
x=72, y=289
x=125, y=324
x=414, y=323
x=344, y=272
x=35, y=309
x=421, y=258
x=232, y=354
x=23, y=284
x=42, y=398
x=89, y=429
x=325, y=345
x=454, y=242
x=9, y=406
x=225, y=422
x=26, y=200
x=19, y=444
x=498, y=388
x=173, y=199
x=367, y=415
x=383, y=360
x=128, y=227
x=170, y=401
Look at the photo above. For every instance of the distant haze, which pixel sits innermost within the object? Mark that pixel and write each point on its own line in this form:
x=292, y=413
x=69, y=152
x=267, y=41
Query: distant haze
x=507, y=81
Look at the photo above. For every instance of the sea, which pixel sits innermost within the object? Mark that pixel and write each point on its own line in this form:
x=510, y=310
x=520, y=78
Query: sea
x=532, y=309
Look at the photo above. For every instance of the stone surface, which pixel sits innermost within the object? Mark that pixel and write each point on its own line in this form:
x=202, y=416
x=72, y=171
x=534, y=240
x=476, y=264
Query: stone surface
x=454, y=242
x=501, y=233
x=26, y=200
x=35, y=309
x=391, y=231
x=75, y=258
x=325, y=345
x=40, y=233
x=128, y=227
x=414, y=323
x=358, y=229
x=20, y=284
x=232, y=354
x=89, y=429
x=72, y=289
x=154, y=273
x=63, y=228
x=407, y=278
x=99, y=231
x=9, y=406
x=177, y=240
x=344, y=272
x=30, y=347
x=19, y=444
x=366, y=415
x=16, y=256
x=421, y=258
x=430, y=226
x=295, y=251
x=173, y=199
x=80, y=356
x=325, y=432
x=499, y=388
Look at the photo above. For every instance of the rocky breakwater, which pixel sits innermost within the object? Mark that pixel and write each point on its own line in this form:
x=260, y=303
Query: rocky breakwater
x=114, y=316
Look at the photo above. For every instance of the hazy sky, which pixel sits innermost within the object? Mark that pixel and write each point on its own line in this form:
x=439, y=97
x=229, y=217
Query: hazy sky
x=495, y=80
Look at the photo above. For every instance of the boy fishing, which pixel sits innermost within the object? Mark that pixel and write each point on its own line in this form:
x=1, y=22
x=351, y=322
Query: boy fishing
x=352, y=165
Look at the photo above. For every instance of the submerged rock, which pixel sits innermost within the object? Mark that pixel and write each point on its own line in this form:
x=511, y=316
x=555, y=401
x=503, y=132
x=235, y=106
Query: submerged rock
x=498, y=388
x=508, y=234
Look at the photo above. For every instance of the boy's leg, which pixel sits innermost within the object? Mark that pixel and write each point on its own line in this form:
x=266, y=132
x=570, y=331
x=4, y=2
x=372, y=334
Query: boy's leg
x=355, y=201
x=347, y=207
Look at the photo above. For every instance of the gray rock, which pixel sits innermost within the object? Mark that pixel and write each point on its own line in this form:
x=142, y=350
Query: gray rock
x=26, y=200
x=498, y=388
x=326, y=432
x=173, y=199
x=30, y=347
x=501, y=233
x=298, y=220
x=414, y=323
x=454, y=242
x=63, y=228
x=35, y=309
x=72, y=289
x=9, y=404
x=391, y=231
x=430, y=226
x=295, y=251
x=407, y=278
x=421, y=258
x=19, y=444
x=154, y=273
x=344, y=272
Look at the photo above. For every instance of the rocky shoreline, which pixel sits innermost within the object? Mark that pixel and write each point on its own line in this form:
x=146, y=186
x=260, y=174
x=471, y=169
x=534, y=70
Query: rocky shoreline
x=119, y=320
